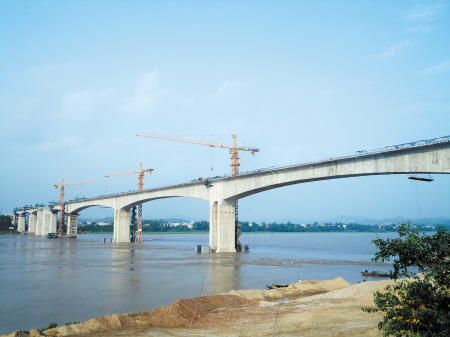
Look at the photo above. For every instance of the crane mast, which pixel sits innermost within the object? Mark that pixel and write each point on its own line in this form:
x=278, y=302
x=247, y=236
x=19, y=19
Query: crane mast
x=140, y=188
x=234, y=151
x=61, y=201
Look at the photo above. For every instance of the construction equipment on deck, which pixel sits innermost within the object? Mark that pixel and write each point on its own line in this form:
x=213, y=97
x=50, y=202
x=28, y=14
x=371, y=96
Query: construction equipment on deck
x=428, y=179
x=234, y=151
x=61, y=202
x=140, y=187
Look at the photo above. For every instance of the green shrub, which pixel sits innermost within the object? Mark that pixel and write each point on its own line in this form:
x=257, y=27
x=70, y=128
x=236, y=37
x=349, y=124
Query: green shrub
x=70, y=323
x=419, y=306
x=50, y=326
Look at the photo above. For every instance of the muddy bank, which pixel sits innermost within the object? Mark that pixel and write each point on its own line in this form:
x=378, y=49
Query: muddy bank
x=312, y=308
x=293, y=291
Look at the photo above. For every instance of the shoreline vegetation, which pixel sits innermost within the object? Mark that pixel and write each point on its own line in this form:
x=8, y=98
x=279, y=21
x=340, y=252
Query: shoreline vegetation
x=202, y=227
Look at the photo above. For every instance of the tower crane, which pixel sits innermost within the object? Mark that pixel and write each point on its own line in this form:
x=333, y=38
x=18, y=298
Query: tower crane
x=61, y=201
x=140, y=187
x=234, y=151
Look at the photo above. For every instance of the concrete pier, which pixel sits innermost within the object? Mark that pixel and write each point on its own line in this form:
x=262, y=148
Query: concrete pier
x=222, y=223
x=32, y=219
x=46, y=221
x=121, y=225
x=21, y=222
x=40, y=222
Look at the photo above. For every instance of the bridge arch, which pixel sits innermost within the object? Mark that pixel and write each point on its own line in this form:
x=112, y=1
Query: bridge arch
x=429, y=157
x=404, y=161
x=81, y=208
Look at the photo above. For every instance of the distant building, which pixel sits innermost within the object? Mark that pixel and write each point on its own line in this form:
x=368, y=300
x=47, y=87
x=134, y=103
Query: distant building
x=103, y=223
x=189, y=224
x=175, y=224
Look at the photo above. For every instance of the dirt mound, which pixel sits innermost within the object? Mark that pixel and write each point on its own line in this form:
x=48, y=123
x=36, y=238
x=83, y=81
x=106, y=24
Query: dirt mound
x=182, y=313
x=293, y=291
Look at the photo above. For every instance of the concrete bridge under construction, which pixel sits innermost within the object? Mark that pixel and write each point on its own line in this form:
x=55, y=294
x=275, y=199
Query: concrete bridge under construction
x=423, y=157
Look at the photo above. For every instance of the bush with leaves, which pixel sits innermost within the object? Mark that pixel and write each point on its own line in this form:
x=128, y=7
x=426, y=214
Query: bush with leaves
x=420, y=304
x=50, y=326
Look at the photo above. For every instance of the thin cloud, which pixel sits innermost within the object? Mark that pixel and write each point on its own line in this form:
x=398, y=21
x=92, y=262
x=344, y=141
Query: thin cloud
x=147, y=90
x=437, y=69
x=227, y=88
x=420, y=17
x=393, y=50
x=424, y=13
x=79, y=105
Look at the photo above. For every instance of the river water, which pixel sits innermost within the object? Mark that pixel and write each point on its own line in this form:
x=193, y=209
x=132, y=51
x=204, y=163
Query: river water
x=60, y=280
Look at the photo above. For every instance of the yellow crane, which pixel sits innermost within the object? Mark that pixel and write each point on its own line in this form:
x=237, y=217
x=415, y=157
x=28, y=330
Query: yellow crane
x=234, y=151
x=140, y=187
x=61, y=201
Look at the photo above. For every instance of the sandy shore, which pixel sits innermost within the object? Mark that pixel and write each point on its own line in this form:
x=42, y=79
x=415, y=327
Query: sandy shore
x=309, y=308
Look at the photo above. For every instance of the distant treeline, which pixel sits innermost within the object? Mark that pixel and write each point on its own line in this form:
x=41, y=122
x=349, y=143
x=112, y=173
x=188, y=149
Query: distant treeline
x=326, y=227
x=164, y=226
x=148, y=226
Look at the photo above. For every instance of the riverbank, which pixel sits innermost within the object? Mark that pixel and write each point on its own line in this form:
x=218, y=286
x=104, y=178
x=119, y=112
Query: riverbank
x=309, y=308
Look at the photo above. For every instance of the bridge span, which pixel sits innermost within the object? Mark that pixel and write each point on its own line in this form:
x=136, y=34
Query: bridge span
x=424, y=157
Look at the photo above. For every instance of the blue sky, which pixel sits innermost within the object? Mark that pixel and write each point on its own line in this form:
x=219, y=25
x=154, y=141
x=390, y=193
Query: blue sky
x=300, y=80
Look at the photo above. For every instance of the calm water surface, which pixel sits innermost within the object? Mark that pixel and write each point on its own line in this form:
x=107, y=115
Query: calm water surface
x=60, y=280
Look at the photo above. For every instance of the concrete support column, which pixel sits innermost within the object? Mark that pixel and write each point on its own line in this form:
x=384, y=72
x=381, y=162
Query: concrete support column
x=46, y=222
x=213, y=243
x=72, y=223
x=121, y=225
x=21, y=223
x=32, y=219
x=40, y=223
x=52, y=226
x=226, y=227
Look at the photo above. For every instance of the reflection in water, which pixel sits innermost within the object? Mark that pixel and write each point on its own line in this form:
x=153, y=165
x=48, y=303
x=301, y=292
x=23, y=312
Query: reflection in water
x=126, y=258
x=222, y=273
